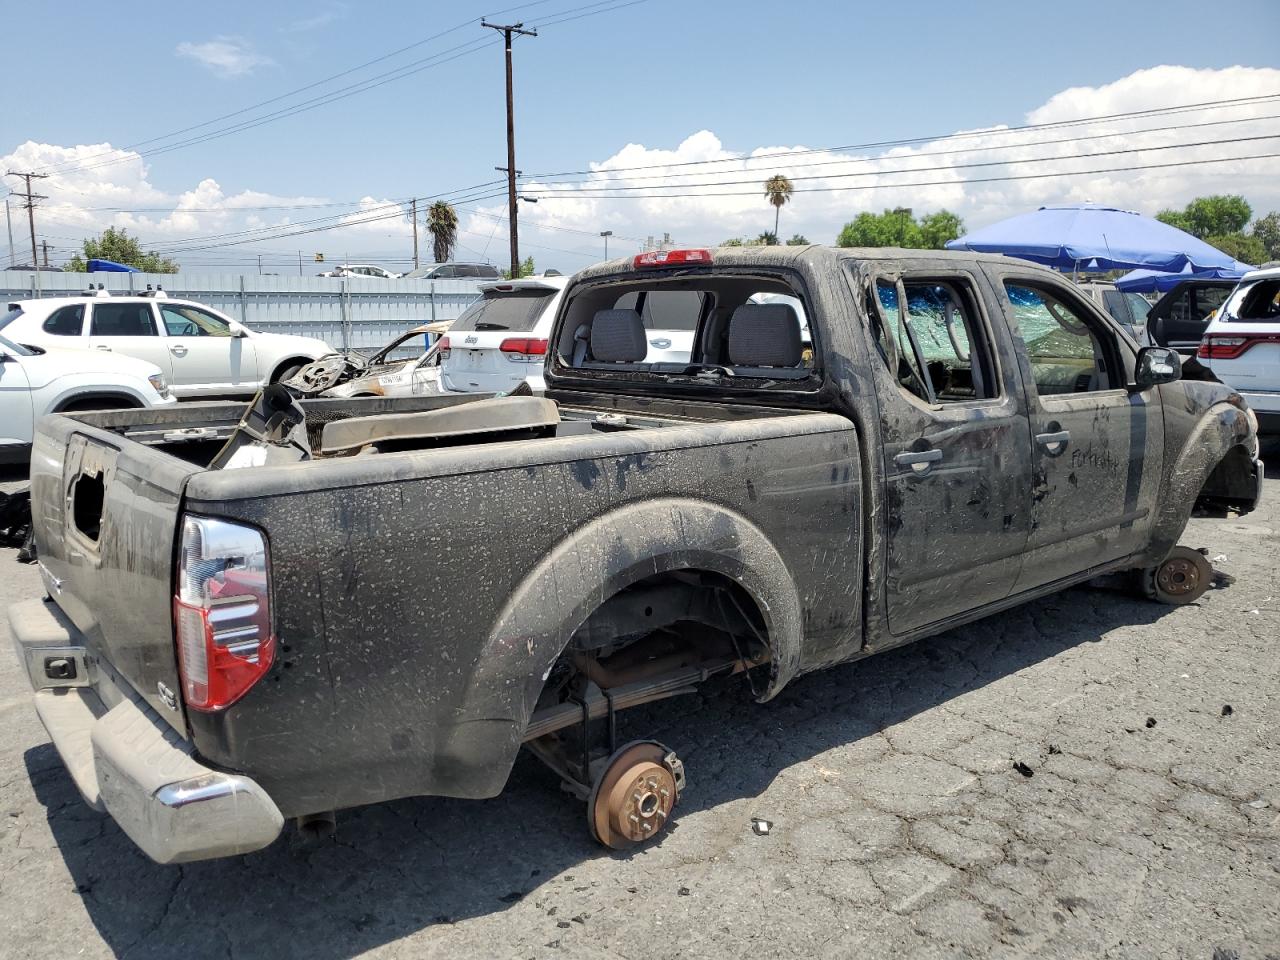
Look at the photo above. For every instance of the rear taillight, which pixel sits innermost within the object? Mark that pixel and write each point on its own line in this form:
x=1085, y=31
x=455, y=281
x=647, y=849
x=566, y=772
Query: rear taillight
x=1228, y=346
x=444, y=348
x=524, y=349
x=221, y=612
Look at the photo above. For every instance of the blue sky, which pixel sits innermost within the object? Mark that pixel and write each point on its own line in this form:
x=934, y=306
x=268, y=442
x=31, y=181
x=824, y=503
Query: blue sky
x=753, y=74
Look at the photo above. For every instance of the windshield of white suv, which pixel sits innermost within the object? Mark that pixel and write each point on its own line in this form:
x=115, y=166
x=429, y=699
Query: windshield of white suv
x=516, y=310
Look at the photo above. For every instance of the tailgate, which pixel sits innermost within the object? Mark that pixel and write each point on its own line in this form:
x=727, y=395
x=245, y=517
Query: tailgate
x=105, y=511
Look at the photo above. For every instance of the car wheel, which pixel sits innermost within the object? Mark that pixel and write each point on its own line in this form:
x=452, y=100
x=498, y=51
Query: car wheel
x=288, y=372
x=105, y=403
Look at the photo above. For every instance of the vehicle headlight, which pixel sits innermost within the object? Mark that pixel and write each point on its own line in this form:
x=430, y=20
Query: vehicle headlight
x=161, y=386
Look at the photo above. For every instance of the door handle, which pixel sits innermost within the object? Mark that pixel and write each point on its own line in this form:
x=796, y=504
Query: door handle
x=103, y=347
x=178, y=350
x=1055, y=442
x=920, y=461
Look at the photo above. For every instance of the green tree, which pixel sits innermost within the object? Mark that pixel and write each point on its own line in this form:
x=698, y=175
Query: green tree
x=118, y=246
x=937, y=228
x=1267, y=231
x=797, y=240
x=733, y=242
x=778, y=191
x=1243, y=246
x=766, y=239
x=442, y=223
x=526, y=269
x=1214, y=216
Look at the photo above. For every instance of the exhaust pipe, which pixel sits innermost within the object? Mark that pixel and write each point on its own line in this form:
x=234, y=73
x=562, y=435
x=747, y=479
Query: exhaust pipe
x=314, y=827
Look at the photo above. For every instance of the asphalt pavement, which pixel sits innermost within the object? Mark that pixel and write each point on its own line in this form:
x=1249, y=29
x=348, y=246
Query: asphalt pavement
x=1090, y=775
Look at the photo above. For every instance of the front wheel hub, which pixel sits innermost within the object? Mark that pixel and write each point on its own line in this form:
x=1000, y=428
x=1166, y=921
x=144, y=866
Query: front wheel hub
x=1182, y=577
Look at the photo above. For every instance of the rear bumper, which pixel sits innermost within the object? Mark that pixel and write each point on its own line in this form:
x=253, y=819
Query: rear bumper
x=127, y=761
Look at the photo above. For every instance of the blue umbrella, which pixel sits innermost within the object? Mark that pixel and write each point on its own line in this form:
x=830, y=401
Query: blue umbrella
x=1148, y=281
x=1094, y=237
x=110, y=266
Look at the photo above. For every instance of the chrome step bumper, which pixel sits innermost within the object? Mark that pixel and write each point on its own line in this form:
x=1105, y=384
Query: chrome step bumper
x=127, y=761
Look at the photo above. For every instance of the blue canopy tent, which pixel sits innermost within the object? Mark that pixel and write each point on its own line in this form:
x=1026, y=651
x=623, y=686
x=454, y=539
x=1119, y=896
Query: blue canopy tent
x=1156, y=281
x=1091, y=236
x=110, y=266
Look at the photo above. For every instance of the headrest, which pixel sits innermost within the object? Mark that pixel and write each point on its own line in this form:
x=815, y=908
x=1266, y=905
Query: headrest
x=765, y=335
x=617, y=336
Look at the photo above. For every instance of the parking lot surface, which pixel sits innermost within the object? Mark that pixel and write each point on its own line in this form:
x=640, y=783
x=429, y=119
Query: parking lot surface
x=1090, y=775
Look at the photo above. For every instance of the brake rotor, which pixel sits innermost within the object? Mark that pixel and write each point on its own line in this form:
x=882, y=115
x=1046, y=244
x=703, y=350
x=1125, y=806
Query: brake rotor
x=632, y=800
x=1182, y=577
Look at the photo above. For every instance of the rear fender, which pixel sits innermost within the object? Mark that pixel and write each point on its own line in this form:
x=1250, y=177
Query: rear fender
x=610, y=553
x=1219, y=430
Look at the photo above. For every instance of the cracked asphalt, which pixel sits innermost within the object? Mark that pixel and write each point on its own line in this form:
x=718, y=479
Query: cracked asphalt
x=1062, y=780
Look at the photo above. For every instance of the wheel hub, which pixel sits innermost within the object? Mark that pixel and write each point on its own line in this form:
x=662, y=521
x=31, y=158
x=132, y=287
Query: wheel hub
x=1178, y=576
x=633, y=799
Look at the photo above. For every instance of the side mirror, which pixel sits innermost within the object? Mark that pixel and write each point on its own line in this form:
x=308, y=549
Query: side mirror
x=237, y=329
x=1156, y=365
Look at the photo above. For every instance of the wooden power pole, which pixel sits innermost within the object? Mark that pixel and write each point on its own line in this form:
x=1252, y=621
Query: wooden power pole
x=415, y=233
x=31, y=209
x=507, y=30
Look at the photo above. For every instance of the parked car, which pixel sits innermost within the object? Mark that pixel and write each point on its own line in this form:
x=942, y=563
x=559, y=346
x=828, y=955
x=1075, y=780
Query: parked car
x=361, y=270
x=354, y=621
x=1242, y=345
x=201, y=351
x=501, y=339
x=38, y=380
x=1129, y=309
x=1179, y=318
x=452, y=271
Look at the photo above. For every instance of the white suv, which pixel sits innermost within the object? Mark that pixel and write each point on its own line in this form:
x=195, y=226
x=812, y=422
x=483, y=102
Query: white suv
x=1242, y=345
x=501, y=339
x=35, y=381
x=202, y=352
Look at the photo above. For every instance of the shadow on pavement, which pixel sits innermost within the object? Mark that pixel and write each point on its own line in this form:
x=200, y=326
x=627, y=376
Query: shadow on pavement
x=400, y=867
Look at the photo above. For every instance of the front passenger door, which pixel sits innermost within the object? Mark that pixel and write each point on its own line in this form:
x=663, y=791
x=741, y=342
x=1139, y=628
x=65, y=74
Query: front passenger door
x=206, y=357
x=1098, y=446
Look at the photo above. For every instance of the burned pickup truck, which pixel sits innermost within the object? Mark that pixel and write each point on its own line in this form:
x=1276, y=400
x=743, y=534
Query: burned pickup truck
x=342, y=602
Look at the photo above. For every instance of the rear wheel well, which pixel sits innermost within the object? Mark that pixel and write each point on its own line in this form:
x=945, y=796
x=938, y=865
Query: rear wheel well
x=678, y=622
x=97, y=401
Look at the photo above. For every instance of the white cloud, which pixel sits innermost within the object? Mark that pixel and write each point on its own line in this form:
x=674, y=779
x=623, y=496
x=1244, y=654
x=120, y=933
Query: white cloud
x=225, y=56
x=331, y=14
x=952, y=179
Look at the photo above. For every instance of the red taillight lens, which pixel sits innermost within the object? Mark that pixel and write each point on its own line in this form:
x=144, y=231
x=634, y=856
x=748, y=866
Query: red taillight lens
x=222, y=612
x=1219, y=346
x=530, y=346
x=444, y=348
x=670, y=258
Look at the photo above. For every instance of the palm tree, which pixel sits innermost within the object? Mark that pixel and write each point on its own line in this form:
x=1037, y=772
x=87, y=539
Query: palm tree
x=778, y=189
x=442, y=222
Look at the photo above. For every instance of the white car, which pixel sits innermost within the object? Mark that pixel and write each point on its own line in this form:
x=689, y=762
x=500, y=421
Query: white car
x=35, y=381
x=202, y=353
x=361, y=270
x=1242, y=345
x=501, y=339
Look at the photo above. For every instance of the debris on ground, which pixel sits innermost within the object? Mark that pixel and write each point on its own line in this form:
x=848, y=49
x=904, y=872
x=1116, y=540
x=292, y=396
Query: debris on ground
x=1227, y=710
x=1054, y=749
x=683, y=892
x=1219, y=558
x=1023, y=768
x=1151, y=722
x=761, y=827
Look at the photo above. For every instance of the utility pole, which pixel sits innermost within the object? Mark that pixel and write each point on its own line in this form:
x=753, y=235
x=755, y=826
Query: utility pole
x=8, y=220
x=44, y=249
x=299, y=263
x=415, y=233
x=507, y=30
x=606, y=234
x=31, y=209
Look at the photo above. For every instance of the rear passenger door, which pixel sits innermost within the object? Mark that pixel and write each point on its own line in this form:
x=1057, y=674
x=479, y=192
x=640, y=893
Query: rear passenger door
x=1098, y=446
x=131, y=330
x=953, y=420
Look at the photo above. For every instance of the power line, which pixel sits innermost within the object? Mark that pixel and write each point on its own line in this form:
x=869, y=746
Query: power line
x=907, y=141
x=595, y=191
x=30, y=206
x=945, y=183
